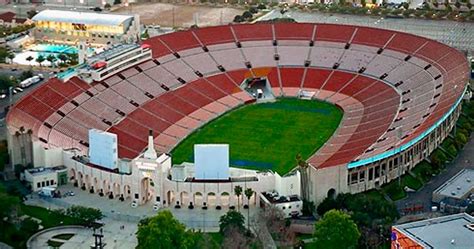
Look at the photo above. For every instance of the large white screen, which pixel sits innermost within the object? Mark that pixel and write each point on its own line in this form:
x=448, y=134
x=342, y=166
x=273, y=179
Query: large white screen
x=103, y=148
x=211, y=161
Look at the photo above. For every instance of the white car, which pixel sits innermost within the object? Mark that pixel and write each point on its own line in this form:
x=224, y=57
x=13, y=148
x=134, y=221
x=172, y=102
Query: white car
x=18, y=89
x=3, y=95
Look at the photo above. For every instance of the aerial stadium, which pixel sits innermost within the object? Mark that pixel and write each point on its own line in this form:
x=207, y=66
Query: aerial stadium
x=357, y=106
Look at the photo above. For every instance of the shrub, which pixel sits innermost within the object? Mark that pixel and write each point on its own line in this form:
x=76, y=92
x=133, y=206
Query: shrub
x=247, y=15
x=452, y=150
x=460, y=139
x=438, y=158
x=238, y=18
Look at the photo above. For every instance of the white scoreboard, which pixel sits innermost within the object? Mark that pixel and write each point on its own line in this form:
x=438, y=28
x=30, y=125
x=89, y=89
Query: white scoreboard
x=211, y=161
x=103, y=148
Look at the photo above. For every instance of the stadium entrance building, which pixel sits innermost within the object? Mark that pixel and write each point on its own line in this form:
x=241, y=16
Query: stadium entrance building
x=150, y=177
x=71, y=27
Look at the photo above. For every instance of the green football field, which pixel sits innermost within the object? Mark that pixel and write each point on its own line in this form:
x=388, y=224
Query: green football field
x=268, y=135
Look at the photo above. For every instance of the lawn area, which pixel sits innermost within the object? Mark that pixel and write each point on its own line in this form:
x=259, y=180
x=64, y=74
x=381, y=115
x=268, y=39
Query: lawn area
x=48, y=218
x=16, y=235
x=424, y=171
x=268, y=135
x=397, y=192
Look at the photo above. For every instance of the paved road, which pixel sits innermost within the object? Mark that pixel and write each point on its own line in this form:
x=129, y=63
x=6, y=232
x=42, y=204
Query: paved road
x=423, y=196
x=4, y=103
x=6, y=71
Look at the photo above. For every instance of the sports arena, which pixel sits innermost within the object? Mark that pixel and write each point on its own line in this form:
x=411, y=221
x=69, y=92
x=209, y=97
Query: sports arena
x=399, y=93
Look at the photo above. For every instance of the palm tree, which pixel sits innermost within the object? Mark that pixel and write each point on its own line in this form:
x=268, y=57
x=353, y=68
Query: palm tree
x=248, y=193
x=303, y=169
x=40, y=59
x=63, y=58
x=51, y=58
x=29, y=59
x=238, y=193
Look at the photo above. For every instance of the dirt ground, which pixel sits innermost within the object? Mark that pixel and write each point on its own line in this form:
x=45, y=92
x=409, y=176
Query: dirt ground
x=169, y=15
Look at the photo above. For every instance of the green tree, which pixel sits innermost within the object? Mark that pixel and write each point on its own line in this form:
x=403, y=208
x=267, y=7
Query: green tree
x=247, y=15
x=51, y=58
x=230, y=220
x=238, y=18
x=26, y=74
x=238, y=193
x=460, y=139
x=438, y=158
x=3, y=54
x=40, y=59
x=8, y=203
x=163, y=231
x=336, y=230
x=117, y=2
x=5, y=82
x=29, y=225
x=73, y=59
x=29, y=59
x=87, y=215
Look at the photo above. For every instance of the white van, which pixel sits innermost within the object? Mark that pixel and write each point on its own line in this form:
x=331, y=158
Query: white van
x=30, y=81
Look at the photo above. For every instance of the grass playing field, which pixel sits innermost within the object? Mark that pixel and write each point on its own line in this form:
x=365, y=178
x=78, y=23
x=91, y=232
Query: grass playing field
x=268, y=135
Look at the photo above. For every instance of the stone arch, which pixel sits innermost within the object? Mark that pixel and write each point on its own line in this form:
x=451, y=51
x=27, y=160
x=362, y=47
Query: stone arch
x=211, y=199
x=146, y=190
x=116, y=189
x=224, y=199
x=252, y=200
x=331, y=193
x=170, y=198
x=127, y=191
x=198, y=198
x=95, y=183
x=80, y=179
x=106, y=186
x=88, y=182
x=184, y=198
x=72, y=175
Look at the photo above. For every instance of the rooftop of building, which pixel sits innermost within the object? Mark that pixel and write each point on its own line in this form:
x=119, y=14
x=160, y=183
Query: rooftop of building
x=9, y=16
x=459, y=186
x=43, y=170
x=78, y=17
x=447, y=232
x=113, y=51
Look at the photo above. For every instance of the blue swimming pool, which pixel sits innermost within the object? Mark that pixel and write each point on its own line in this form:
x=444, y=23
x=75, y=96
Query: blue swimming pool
x=56, y=49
